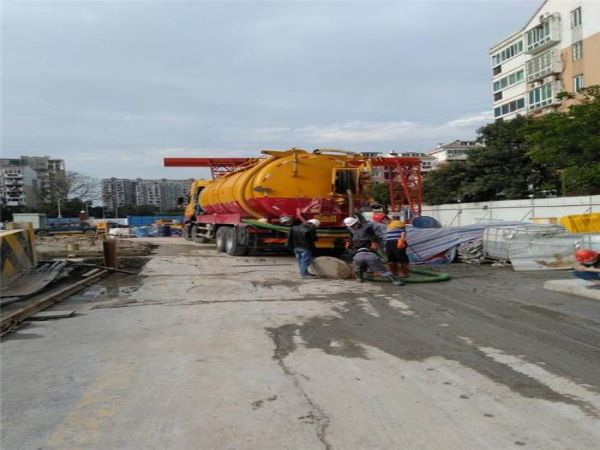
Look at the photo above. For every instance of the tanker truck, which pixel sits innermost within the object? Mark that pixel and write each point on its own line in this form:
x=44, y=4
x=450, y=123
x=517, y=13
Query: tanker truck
x=241, y=209
x=192, y=208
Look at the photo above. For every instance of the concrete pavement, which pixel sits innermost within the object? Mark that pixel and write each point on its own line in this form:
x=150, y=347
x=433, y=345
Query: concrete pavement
x=207, y=351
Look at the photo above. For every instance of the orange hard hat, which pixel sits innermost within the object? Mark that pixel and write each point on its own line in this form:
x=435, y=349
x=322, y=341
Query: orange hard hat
x=585, y=255
x=378, y=217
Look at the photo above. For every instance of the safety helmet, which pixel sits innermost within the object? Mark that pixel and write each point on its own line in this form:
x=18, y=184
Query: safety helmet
x=286, y=220
x=350, y=221
x=315, y=222
x=379, y=217
x=585, y=255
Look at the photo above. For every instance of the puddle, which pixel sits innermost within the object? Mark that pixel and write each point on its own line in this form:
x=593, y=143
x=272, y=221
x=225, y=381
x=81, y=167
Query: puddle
x=114, y=287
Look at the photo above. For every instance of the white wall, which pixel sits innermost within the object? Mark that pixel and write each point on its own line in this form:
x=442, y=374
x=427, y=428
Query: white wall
x=510, y=210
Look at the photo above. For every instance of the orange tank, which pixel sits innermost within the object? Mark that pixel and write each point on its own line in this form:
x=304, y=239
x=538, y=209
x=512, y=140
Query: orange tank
x=327, y=185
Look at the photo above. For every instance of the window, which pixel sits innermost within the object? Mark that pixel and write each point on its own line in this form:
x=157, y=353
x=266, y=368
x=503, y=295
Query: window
x=497, y=70
x=576, y=17
x=507, y=53
x=509, y=80
x=578, y=83
x=538, y=35
x=498, y=96
x=577, y=50
x=509, y=107
x=540, y=67
x=541, y=96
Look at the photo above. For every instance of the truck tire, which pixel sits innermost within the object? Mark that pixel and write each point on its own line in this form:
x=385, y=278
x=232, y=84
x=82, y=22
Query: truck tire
x=221, y=238
x=198, y=239
x=232, y=246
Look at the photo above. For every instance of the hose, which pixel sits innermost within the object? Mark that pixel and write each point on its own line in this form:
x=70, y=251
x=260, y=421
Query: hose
x=428, y=276
x=326, y=232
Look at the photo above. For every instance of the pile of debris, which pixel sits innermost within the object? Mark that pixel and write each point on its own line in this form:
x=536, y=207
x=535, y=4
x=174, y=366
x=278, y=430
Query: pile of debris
x=80, y=246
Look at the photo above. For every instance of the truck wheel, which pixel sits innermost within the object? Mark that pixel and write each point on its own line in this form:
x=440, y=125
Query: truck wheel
x=221, y=238
x=196, y=238
x=232, y=246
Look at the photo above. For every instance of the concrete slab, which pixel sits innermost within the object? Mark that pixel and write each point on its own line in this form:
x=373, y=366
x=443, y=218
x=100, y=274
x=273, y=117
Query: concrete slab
x=573, y=287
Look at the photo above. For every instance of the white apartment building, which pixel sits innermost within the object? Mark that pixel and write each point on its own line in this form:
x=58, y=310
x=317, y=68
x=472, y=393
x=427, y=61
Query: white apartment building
x=454, y=151
x=117, y=192
x=161, y=193
x=428, y=163
x=50, y=174
x=558, y=49
x=18, y=186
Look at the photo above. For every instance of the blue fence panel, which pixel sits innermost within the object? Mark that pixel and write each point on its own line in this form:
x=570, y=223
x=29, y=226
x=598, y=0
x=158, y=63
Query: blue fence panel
x=141, y=221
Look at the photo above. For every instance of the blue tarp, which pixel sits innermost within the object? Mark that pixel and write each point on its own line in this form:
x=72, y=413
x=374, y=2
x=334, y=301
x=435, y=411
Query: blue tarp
x=140, y=221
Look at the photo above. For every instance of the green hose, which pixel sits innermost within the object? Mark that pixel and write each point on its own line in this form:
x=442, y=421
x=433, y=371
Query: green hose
x=282, y=229
x=428, y=276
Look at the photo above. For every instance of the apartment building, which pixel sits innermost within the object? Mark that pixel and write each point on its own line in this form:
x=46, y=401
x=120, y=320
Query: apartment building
x=454, y=151
x=428, y=163
x=162, y=193
x=117, y=192
x=19, y=186
x=557, y=50
x=50, y=172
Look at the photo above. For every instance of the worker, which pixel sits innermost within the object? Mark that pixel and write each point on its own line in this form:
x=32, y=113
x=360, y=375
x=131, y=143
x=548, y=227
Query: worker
x=301, y=239
x=588, y=266
x=363, y=247
x=362, y=232
x=286, y=221
x=395, y=244
x=366, y=259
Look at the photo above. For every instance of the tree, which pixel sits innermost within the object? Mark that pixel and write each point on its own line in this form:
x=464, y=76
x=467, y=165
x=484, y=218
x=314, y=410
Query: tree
x=78, y=185
x=444, y=185
x=138, y=210
x=568, y=143
x=380, y=193
x=500, y=170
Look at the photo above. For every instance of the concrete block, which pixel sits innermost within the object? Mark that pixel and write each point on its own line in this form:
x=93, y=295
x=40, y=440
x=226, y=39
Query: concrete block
x=573, y=287
x=329, y=267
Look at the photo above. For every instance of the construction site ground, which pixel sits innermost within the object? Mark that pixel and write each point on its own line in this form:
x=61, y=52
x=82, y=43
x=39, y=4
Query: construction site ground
x=207, y=351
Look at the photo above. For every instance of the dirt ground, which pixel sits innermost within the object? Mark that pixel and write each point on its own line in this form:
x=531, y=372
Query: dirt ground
x=206, y=351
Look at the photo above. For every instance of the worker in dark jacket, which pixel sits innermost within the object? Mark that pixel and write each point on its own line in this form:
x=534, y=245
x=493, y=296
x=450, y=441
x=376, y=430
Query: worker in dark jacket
x=301, y=239
x=362, y=232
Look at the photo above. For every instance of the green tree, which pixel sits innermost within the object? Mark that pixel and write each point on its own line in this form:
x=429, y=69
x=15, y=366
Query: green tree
x=500, y=170
x=138, y=210
x=444, y=185
x=568, y=143
x=380, y=193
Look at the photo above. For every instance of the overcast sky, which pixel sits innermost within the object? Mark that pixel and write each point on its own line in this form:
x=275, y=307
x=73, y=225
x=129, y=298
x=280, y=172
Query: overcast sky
x=113, y=87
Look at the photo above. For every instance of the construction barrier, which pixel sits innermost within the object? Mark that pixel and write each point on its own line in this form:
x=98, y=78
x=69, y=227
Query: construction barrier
x=582, y=223
x=17, y=252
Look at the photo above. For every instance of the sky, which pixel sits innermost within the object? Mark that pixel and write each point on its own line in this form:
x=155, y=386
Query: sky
x=113, y=87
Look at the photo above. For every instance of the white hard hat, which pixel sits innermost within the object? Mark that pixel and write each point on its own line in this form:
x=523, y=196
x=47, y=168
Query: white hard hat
x=315, y=222
x=350, y=221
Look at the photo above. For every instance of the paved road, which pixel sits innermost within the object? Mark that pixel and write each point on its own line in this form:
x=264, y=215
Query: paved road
x=210, y=352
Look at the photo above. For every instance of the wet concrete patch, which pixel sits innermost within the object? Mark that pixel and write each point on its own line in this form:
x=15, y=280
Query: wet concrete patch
x=407, y=338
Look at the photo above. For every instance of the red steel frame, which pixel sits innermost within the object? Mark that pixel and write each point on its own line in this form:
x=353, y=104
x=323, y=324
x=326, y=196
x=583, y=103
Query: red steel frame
x=218, y=166
x=404, y=179
x=402, y=175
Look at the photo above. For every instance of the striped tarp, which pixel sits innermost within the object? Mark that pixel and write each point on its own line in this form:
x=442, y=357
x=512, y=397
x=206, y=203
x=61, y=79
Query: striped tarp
x=438, y=245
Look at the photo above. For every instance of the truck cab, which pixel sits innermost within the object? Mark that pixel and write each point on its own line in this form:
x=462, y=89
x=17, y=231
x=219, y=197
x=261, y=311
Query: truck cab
x=192, y=206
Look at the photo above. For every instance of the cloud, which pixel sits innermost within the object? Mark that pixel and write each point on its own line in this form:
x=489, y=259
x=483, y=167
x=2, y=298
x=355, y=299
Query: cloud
x=359, y=133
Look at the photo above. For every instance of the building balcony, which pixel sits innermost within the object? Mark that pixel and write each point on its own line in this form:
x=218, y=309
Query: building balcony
x=546, y=64
x=544, y=35
x=543, y=96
